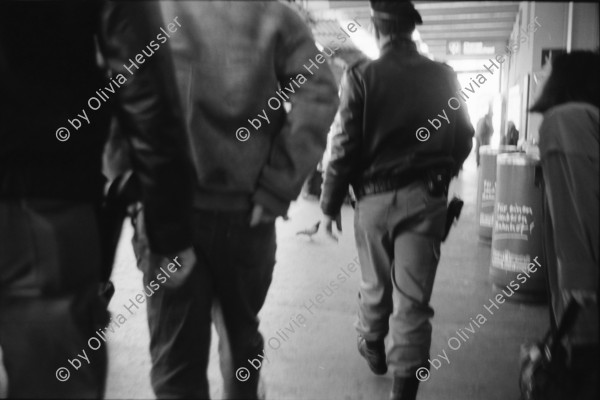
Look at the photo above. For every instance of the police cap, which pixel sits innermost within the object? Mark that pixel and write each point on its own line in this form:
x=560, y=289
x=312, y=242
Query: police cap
x=395, y=11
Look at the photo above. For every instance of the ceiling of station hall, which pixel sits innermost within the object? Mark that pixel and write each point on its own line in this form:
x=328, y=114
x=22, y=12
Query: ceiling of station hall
x=451, y=30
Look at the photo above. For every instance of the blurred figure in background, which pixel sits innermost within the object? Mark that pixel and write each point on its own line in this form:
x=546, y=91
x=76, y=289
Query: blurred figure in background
x=569, y=150
x=484, y=132
x=511, y=138
x=401, y=185
x=251, y=157
x=51, y=185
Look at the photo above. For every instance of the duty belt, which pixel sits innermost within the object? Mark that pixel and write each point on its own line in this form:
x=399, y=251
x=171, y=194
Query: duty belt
x=386, y=184
x=437, y=181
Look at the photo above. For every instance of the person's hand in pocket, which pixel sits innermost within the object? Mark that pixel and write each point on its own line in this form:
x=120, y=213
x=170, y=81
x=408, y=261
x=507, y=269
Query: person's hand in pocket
x=178, y=266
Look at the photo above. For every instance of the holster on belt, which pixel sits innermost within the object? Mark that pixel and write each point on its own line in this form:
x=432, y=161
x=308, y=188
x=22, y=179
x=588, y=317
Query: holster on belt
x=438, y=181
x=454, y=208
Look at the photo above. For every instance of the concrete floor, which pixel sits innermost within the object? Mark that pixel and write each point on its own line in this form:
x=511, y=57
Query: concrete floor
x=319, y=360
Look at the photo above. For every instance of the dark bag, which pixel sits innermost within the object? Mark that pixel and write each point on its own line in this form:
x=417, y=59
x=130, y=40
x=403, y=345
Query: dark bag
x=438, y=182
x=545, y=374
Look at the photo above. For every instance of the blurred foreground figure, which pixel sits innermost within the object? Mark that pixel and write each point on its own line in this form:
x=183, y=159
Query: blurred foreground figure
x=400, y=178
x=51, y=185
x=570, y=151
x=251, y=158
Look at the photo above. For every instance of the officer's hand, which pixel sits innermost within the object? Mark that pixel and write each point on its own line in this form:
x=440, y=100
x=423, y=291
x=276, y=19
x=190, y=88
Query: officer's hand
x=338, y=222
x=178, y=266
x=327, y=226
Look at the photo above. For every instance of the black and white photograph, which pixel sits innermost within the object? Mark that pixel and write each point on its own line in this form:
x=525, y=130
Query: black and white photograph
x=299, y=199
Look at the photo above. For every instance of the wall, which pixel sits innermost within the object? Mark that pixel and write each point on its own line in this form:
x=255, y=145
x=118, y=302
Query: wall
x=520, y=61
x=553, y=34
x=585, y=34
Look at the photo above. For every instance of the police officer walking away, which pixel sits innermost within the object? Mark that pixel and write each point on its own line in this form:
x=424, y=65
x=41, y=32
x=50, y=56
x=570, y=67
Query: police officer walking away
x=400, y=173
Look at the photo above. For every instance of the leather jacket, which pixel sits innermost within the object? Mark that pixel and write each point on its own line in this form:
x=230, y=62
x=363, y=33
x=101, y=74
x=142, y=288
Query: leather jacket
x=383, y=104
x=49, y=73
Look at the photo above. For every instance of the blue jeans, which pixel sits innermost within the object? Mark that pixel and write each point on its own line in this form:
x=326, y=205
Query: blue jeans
x=234, y=271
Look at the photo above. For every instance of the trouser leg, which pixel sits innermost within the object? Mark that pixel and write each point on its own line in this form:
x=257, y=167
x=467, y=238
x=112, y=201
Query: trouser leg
x=413, y=275
x=243, y=276
x=49, y=302
x=179, y=321
x=375, y=253
x=416, y=222
x=43, y=338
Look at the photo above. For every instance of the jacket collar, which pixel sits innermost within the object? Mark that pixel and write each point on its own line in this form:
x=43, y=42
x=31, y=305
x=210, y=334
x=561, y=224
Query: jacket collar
x=401, y=46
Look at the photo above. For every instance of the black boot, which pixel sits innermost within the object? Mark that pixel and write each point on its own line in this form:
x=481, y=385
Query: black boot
x=374, y=353
x=404, y=388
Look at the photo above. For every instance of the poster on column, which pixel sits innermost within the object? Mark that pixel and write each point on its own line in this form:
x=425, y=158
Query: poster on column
x=518, y=234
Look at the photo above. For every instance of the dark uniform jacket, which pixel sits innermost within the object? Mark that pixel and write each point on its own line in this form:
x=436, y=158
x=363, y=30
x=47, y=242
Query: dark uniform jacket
x=384, y=103
x=49, y=72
